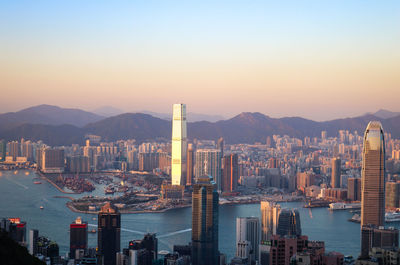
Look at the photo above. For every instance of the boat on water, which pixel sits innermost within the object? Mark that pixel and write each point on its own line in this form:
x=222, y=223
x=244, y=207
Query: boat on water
x=355, y=218
x=109, y=190
x=344, y=206
x=92, y=231
x=391, y=217
x=37, y=182
x=41, y=207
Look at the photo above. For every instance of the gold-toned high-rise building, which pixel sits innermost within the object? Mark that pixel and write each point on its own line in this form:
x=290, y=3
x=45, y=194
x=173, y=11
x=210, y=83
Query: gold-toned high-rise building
x=190, y=165
x=179, y=145
x=335, y=179
x=269, y=219
x=205, y=222
x=373, y=191
x=373, y=176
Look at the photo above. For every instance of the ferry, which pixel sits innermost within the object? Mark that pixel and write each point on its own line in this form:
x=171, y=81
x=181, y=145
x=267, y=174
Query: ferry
x=344, y=206
x=109, y=191
x=355, y=218
x=391, y=217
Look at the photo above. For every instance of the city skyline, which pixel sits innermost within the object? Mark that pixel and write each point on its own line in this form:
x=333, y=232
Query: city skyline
x=282, y=146
x=282, y=59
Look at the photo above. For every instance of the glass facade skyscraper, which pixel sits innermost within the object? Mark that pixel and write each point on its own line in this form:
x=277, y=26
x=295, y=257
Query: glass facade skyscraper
x=108, y=234
x=373, y=176
x=373, y=188
x=289, y=223
x=179, y=145
x=205, y=222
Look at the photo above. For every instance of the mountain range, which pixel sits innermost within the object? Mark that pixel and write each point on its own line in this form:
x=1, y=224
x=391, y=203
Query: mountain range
x=60, y=126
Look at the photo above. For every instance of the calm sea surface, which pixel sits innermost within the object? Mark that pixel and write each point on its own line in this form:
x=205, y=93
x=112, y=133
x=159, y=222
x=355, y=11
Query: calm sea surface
x=19, y=197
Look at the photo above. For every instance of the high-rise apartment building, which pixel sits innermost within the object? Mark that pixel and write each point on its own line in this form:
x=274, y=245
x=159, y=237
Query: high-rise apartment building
x=13, y=149
x=78, y=237
x=269, y=219
x=392, y=195
x=148, y=161
x=248, y=229
x=3, y=150
x=52, y=160
x=354, y=189
x=304, y=180
x=283, y=248
x=27, y=150
x=335, y=178
x=108, y=234
x=230, y=173
x=372, y=236
x=373, y=176
x=133, y=161
x=208, y=163
x=205, y=222
x=190, y=165
x=78, y=164
x=179, y=145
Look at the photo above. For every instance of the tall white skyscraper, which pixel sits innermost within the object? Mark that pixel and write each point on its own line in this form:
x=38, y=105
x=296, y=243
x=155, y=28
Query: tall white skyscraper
x=247, y=230
x=33, y=240
x=179, y=145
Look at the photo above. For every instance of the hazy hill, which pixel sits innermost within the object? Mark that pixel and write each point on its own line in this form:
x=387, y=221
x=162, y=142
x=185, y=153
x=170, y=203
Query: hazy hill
x=246, y=127
x=47, y=114
x=137, y=126
x=191, y=116
x=386, y=114
x=107, y=111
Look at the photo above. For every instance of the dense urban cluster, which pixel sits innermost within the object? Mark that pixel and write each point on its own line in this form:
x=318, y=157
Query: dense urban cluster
x=350, y=170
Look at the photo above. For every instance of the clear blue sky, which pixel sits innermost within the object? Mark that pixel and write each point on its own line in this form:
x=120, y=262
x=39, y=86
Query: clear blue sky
x=317, y=59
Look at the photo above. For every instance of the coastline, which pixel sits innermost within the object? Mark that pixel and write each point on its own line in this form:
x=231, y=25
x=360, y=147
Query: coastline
x=54, y=184
x=73, y=209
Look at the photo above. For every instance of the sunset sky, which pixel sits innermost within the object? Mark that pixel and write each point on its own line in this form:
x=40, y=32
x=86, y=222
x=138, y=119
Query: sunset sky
x=317, y=59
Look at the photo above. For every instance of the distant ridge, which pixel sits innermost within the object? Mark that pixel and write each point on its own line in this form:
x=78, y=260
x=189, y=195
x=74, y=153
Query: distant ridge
x=386, y=114
x=191, y=116
x=107, y=111
x=247, y=127
x=47, y=114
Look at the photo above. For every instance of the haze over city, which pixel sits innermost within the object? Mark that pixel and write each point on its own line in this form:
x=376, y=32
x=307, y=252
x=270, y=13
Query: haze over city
x=316, y=59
